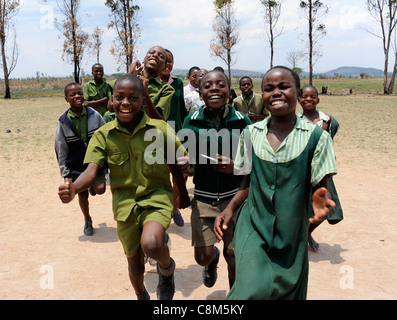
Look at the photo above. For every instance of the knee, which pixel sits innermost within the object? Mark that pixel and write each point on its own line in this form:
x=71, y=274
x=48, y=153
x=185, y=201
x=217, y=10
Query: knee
x=100, y=188
x=203, y=257
x=151, y=245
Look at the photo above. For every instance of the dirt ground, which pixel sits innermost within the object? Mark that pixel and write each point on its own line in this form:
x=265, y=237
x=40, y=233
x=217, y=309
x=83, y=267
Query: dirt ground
x=46, y=256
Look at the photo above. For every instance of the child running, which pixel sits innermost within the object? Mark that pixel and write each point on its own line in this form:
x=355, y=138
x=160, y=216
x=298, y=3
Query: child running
x=74, y=130
x=140, y=183
x=216, y=127
x=97, y=92
x=309, y=102
x=286, y=157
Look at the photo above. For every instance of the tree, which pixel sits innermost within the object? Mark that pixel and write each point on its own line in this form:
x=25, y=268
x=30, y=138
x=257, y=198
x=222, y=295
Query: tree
x=272, y=11
x=8, y=10
x=75, y=40
x=314, y=10
x=124, y=21
x=384, y=13
x=294, y=57
x=226, y=33
x=96, y=42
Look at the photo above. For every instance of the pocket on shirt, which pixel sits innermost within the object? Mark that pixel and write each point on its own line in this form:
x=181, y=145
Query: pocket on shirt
x=119, y=164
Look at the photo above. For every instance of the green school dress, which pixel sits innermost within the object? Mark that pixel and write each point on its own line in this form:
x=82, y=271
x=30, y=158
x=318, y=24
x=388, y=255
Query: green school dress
x=336, y=213
x=270, y=240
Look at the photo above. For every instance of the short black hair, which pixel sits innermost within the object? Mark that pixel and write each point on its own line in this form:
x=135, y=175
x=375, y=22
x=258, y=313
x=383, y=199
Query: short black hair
x=192, y=69
x=214, y=71
x=244, y=77
x=293, y=73
x=96, y=65
x=130, y=78
x=312, y=87
x=69, y=85
x=166, y=58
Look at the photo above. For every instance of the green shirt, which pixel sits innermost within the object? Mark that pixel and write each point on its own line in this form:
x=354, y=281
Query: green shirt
x=80, y=122
x=161, y=93
x=323, y=160
x=93, y=92
x=139, y=173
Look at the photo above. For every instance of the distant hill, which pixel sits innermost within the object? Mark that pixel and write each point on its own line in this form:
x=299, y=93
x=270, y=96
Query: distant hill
x=235, y=73
x=343, y=71
x=355, y=72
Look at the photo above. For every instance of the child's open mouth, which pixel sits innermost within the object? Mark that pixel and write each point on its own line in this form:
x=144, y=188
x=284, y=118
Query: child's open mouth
x=215, y=97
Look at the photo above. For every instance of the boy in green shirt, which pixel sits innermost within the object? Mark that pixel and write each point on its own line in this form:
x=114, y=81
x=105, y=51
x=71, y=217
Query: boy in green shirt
x=141, y=187
x=97, y=92
x=250, y=103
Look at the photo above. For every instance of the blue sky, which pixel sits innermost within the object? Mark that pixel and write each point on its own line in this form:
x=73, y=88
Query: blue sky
x=185, y=27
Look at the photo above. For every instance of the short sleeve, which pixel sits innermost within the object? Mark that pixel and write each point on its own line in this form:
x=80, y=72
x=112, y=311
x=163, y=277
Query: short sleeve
x=323, y=162
x=243, y=160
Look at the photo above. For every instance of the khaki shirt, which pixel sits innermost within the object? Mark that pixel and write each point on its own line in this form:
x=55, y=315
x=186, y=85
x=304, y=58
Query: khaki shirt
x=139, y=173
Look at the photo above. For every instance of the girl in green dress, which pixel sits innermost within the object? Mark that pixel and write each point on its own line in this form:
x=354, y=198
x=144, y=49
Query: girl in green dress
x=309, y=101
x=284, y=159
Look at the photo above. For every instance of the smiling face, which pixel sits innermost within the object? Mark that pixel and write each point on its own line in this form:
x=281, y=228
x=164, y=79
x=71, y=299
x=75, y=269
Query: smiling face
x=127, y=101
x=309, y=99
x=168, y=66
x=246, y=86
x=155, y=59
x=214, y=89
x=75, y=97
x=97, y=72
x=279, y=92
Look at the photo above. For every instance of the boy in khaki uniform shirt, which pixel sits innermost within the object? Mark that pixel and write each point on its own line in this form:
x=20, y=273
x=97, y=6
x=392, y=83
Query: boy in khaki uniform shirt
x=140, y=182
x=250, y=103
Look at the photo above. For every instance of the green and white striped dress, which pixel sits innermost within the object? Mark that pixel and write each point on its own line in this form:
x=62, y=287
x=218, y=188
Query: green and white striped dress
x=270, y=239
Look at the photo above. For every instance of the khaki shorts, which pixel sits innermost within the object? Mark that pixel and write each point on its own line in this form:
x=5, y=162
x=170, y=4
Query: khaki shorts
x=130, y=231
x=202, y=221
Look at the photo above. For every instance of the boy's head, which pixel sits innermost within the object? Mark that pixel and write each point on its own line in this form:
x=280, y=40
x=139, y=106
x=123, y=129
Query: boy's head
x=280, y=91
x=128, y=98
x=155, y=59
x=214, y=89
x=309, y=98
x=246, y=85
x=74, y=95
x=97, y=71
x=192, y=76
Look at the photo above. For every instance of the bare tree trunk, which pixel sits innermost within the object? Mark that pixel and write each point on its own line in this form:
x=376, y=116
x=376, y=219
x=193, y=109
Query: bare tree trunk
x=310, y=43
x=5, y=69
x=393, y=77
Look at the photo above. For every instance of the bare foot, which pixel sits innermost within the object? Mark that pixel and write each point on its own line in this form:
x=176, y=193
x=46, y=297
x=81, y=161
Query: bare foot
x=313, y=244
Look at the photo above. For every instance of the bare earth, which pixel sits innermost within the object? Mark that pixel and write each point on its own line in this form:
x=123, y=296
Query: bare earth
x=46, y=256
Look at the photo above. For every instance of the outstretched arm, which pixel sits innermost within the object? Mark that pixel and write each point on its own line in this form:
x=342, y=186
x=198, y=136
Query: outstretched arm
x=322, y=202
x=68, y=191
x=223, y=219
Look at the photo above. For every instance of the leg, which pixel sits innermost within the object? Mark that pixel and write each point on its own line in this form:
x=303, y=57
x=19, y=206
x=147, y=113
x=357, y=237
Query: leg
x=208, y=257
x=154, y=246
x=176, y=215
x=312, y=243
x=136, y=270
x=231, y=264
x=84, y=205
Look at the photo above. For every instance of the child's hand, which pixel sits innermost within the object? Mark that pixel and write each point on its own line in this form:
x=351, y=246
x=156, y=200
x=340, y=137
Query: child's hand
x=321, y=205
x=183, y=164
x=136, y=68
x=225, y=164
x=221, y=223
x=67, y=191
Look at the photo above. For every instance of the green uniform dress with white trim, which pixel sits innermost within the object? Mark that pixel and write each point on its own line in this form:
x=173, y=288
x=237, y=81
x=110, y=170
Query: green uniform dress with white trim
x=271, y=234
